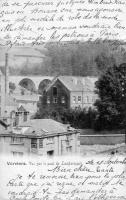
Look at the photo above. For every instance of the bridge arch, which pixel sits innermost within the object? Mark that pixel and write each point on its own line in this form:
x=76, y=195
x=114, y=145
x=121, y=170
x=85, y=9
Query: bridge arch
x=42, y=85
x=28, y=84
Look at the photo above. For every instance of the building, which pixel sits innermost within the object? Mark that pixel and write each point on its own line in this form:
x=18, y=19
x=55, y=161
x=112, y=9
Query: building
x=29, y=102
x=21, y=115
x=16, y=117
x=11, y=102
x=13, y=113
x=40, y=137
x=70, y=92
x=9, y=107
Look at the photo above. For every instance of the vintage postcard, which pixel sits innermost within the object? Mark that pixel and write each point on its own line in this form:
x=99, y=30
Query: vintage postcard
x=62, y=100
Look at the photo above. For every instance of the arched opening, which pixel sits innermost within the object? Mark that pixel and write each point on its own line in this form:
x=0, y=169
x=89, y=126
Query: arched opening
x=43, y=84
x=28, y=84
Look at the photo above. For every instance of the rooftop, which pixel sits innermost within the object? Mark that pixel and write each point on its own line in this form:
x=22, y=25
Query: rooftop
x=76, y=83
x=38, y=128
x=28, y=97
x=21, y=109
x=45, y=126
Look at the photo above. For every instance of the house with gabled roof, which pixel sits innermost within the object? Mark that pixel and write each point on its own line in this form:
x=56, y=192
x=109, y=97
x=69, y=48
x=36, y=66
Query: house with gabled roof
x=70, y=92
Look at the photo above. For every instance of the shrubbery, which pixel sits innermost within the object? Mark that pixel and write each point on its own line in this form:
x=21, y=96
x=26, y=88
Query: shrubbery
x=76, y=118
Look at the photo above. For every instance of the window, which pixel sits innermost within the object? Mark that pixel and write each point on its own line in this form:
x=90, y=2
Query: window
x=54, y=91
x=48, y=100
x=68, y=137
x=50, y=140
x=40, y=143
x=67, y=142
x=34, y=143
x=69, y=149
x=63, y=100
x=16, y=140
x=74, y=99
x=54, y=100
x=17, y=153
x=79, y=99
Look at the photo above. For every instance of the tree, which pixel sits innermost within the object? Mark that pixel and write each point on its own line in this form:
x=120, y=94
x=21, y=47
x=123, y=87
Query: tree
x=77, y=118
x=111, y=106
x=12, y=86
x=104, y=61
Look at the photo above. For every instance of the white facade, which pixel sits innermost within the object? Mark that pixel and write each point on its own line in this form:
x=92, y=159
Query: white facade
x=23, y=140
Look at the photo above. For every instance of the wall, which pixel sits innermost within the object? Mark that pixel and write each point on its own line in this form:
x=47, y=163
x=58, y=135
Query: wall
x=102, y=139
x=59, y=145
x=61, y=91
x=29, y=106
x=87, y=99
x=75, y=95
x=6, y=146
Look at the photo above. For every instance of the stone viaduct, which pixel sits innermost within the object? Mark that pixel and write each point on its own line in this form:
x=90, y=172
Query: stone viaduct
x=31, y=82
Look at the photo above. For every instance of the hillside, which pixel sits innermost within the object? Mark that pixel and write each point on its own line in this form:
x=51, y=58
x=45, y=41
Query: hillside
x=75, y=58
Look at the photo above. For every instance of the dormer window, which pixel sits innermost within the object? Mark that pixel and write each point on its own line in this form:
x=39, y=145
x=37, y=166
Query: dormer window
x=54, y=91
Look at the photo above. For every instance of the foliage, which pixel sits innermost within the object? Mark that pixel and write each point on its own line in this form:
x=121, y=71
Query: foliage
x=74, y=58
x=76, y=118
x=111, y=106
x=12, y=86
